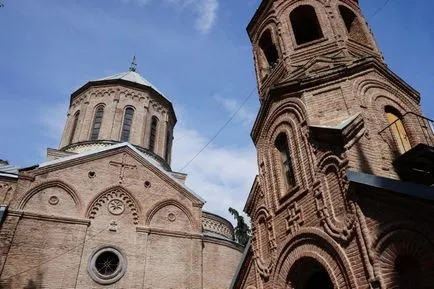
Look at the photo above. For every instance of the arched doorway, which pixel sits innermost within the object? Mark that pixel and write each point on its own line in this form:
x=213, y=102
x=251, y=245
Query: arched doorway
x=307, y=273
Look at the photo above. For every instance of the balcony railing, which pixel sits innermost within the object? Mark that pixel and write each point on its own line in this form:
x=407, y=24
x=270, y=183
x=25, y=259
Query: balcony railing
x=407, y=132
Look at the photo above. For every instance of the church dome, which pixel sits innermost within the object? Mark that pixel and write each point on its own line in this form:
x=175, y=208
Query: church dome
x=130, y=76
x=124, y=107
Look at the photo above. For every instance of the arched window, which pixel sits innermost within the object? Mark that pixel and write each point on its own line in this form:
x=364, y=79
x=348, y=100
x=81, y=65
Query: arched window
x=307, y=273
x=268, y=48
x=153, y=135
x=97, y=120
x=397, y=130
x=282, y=146
x=168, y=145
x=408, y=272
x=126, y=126
x=354, y=26
x=74, y=126
x=305, y=24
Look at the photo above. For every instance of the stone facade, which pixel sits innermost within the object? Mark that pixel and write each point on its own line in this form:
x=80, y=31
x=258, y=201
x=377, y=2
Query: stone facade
x=102, y=213
x=330, y=209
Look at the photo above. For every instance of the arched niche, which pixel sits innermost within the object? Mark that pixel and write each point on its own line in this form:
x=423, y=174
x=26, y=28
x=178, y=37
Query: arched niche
x=52, y=198
x=170, y=215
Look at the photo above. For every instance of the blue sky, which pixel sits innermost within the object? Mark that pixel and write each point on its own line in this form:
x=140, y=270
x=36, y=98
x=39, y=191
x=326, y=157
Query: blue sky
x=195, y=51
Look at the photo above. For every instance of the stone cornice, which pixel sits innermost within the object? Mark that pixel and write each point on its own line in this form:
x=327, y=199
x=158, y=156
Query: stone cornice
x=48, y=218
x=294, y=87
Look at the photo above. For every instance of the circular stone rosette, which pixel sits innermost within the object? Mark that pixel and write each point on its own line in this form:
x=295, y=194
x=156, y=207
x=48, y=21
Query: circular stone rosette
x=107, y=265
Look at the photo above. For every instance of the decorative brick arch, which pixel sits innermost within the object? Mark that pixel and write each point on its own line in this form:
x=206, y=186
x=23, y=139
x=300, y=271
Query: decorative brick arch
x=150, y=214
x=362, y=88
x=404, y=239
x=341, y=230
x=118, y=193
x=314, y=243
x=263, y=265
x=50, y=184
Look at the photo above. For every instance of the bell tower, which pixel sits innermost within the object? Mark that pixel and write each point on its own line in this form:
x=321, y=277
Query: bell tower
x=343, y=151
x=289, y=36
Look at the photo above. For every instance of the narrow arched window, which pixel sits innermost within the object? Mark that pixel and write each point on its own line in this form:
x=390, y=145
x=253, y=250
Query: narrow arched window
x=353, y=25
x=282, y=147
x=74, y=126
x=97, y=120
x=126, y=126
x=305, y=24
x=268, y=48
x=168, y=145
x=153, y=134
x=397, y=129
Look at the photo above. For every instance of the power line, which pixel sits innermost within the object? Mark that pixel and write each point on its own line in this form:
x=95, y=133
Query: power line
x=379, y=9
x=61, y=254
x=219, y=130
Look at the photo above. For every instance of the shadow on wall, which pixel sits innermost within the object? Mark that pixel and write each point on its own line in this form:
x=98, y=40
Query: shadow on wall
x=31, y=284
x=365, y=166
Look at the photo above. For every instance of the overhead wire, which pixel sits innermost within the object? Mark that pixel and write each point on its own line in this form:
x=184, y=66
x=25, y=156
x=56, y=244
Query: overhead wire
x=379, y=9
x=60, y=254
x=219, y=130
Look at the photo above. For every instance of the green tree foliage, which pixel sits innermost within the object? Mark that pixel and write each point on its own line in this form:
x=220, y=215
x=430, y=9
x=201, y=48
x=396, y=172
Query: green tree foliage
x=242, y=230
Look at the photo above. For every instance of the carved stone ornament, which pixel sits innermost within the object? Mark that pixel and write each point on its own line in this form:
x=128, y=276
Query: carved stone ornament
x=171, y=217
x=116, y=207
x=53, y=200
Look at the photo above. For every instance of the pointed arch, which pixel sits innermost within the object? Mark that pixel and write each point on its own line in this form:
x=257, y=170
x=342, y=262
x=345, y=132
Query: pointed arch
x=50, y=184
x=169, y=202
x=118, y=193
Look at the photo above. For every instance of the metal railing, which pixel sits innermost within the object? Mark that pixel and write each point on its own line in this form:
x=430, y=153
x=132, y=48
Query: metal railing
x=408, y=131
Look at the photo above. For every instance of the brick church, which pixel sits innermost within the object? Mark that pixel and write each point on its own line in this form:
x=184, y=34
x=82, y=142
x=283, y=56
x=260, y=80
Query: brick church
x=106, y=210
x=344, y=197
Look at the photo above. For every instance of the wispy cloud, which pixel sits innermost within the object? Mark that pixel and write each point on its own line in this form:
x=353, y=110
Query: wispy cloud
x=206, y=14
x=53, y=119
x=221, y=175
x=205, y=11
x=231, y=105
x=137, y=2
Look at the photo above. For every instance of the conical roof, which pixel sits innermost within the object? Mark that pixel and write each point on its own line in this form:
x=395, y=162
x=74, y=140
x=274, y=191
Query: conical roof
x=130, y=76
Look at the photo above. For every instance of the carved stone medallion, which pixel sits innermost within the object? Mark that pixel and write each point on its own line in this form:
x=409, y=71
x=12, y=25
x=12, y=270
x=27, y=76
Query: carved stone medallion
x=116, y=207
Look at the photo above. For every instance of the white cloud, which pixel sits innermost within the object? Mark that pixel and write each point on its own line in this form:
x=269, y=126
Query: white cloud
x=53, y=118
x=206, y=14
x=231, y=105
x=222, y=176
x=205, y=11
x=137, y=2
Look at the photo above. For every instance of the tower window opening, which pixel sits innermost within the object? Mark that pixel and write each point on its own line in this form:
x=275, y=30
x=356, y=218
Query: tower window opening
x=282, y=146
x=153, y=135
x=96, y=126
x=397, y=130
x=168, y=145
x=269, y=48
x=305, y=24
x=126, y=126
x=74, y=126
x=353, y=25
